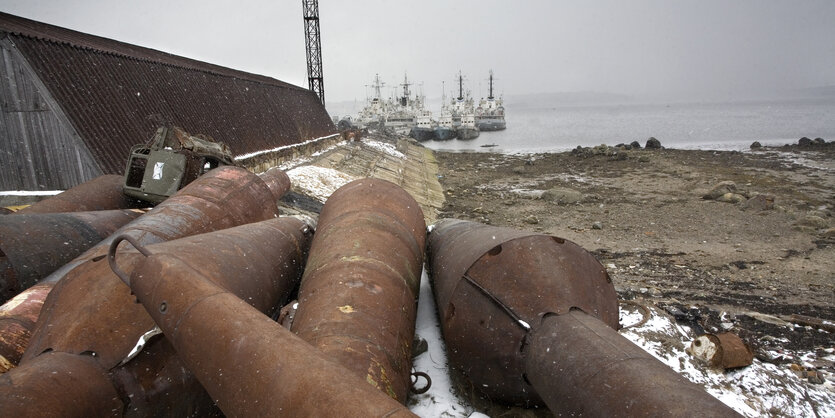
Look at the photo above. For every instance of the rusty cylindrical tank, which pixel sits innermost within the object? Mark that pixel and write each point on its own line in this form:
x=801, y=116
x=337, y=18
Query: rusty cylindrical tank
x=97, y=317
x=530, y=318
x=357, y=300
x=101, y=193
x=33, y=246
x=222, y=198
x=249, y=364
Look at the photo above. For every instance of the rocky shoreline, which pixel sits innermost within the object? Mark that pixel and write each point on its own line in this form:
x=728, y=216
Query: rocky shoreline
x=720, y=240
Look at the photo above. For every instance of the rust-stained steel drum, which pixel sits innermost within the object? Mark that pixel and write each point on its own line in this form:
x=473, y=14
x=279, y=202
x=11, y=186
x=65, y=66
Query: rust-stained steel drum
x=101, y=193
x=33, y=245
x=528, y=275
x=357, y=300
x=250, y=364
x=95, y=313
x=530, y=318
x=53, y=388
x=222, y=198
x=724, y=350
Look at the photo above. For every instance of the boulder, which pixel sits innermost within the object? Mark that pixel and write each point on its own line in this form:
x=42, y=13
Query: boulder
x=819, y=141
x=804, y=142
x=562, y=195
x=653, y=143
x=635, y=144
x=731, y=198
x=760, y=202
x=721, y=189
x=756, y=145
x=812, y=221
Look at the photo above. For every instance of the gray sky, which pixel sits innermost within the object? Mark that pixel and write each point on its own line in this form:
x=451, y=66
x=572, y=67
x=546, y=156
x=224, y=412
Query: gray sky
x=684, y=49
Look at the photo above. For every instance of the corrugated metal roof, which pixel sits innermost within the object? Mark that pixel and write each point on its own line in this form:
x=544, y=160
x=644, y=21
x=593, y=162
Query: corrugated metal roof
x=117, y=94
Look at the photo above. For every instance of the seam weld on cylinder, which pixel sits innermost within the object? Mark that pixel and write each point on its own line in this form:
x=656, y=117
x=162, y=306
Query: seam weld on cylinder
x=357, y=300
x=101, y=193
x=222, y=198
x=509, y=303
x=33, y=246
x=249, y=364
x=260, y=263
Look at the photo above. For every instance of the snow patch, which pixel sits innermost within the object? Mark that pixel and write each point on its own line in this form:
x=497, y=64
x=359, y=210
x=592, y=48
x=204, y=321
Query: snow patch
x=318, y=182
x=385, y=148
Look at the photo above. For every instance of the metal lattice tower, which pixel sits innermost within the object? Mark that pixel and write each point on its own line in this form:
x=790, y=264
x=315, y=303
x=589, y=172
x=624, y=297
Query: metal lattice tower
x=314, y=48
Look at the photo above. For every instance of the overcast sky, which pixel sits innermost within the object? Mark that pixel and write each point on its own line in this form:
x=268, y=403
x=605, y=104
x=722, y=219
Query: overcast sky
x=698, y=49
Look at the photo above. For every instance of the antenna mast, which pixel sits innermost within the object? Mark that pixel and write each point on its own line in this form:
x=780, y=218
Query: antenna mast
x=313, y=44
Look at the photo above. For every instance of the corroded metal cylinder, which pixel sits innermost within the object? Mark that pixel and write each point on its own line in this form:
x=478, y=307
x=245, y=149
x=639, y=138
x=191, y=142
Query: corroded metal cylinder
x=32, y=246
x=58, y=386
x=96, y=315
x=357, y=301
x=500, y=293
x=224, y=197
x=277, y=180
x=248, y=363
x=101, y=193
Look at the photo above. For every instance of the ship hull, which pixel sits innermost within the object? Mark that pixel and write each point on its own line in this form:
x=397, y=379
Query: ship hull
x=467, y=133
x=444, y=134
x=491, y=124
x=422, y=134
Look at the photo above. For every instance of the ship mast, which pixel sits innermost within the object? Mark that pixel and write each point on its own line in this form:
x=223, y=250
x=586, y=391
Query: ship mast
x=406, y=93
x=460, y=86
x=490, y=86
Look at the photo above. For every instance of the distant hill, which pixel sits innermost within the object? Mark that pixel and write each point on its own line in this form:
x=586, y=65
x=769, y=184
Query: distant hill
x=822, y=91
x=569, y=98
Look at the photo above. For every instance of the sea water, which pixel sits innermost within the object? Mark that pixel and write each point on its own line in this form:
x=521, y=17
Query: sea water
x=540, y=124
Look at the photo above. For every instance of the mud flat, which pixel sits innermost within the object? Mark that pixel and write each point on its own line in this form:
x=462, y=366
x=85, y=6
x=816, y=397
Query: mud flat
x=710, y=240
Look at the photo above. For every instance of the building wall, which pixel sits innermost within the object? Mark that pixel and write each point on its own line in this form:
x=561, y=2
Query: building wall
x=39, y=148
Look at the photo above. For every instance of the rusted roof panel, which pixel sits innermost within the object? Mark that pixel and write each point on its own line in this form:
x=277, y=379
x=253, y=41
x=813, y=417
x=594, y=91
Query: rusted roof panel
x=116, y=94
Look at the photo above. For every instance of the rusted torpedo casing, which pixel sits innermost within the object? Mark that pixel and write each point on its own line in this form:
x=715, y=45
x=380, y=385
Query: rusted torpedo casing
x=531, y=318
x=96, y=316
x=248, y=363
x=100, y=193
x=224, y=197
x=33, y=246
x=357, y=300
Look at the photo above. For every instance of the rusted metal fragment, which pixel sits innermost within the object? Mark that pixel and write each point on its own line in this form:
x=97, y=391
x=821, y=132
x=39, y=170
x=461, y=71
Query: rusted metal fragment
x=725, y=350
x=17, y=318
x=280, y=374
x=277, y=180
x=33, y=246
x=100, y=193
x=59, y=385
x=357, y=300
x=530, y=318
x=224, y=197
x=580, y=366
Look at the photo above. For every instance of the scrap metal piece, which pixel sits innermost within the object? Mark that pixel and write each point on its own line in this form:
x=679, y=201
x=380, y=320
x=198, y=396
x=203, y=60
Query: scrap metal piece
x=223, y=198
x=101, y=193
x=725, y=350
x=34, y=245
x=96, y=314
x=530, y=318
x=250, y=365
x=357, y=300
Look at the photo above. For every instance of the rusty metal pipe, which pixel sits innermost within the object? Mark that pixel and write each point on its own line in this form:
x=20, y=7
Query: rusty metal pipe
x=581, y=366
x=101, y=193
x=96, y=315
x=33, y=245
x=248, y=363
x=224, y=197
x=506, y=298
x=357, y=300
